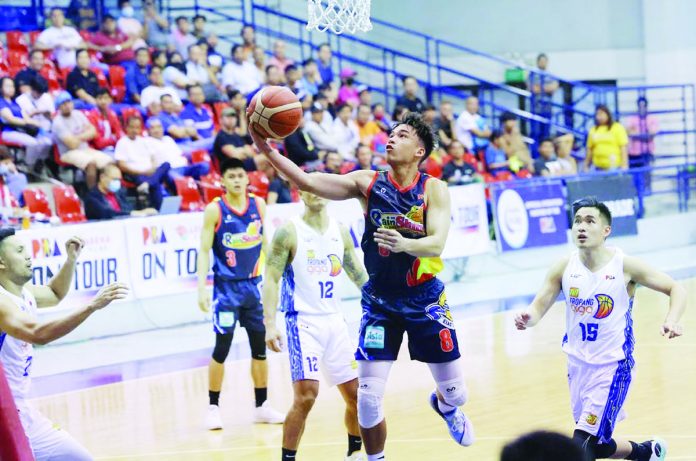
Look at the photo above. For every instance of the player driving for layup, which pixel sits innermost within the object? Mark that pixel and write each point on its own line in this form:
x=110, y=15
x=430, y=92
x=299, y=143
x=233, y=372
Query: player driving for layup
x=406, y=226
x=598, y=283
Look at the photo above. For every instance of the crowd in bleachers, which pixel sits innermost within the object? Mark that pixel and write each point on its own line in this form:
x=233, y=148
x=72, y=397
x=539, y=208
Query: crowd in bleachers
x=142, y=108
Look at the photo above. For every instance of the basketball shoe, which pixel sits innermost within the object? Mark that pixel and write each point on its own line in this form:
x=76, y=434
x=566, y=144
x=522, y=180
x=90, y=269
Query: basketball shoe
x=267, y=414
x=213, y=420
x=658, y=449
x=460, y=428
x=356, y=456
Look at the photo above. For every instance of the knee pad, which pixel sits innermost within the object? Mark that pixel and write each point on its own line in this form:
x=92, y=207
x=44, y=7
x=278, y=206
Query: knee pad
x=370, y=395
x=453, y=391
x=257, y=344
x=222, y=347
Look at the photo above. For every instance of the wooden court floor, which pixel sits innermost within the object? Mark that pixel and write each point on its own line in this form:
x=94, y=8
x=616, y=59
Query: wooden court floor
x=517, y=383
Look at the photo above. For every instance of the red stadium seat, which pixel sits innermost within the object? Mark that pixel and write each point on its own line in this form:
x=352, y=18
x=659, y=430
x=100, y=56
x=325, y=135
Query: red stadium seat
x=190, y=196
x=212, y=179
x=218, y=107
x=258, y=183
x=101, y=78
x=33, y=35
x=117, y=76
x=201, y=155
x=129, y=112
x=432, y=167
x=16, y=58
x=473, y=161
x=51, y=77
x=504, y=176
x=86, y=35
x=211, y=191
x=524, y=174
x=347, y=167
x=35, y=199
x=16, y=41
x=68, y=205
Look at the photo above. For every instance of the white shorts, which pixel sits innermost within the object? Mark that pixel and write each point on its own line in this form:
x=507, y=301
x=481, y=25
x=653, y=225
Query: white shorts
x=597, y=395
x=320, y=344
x=49, y=442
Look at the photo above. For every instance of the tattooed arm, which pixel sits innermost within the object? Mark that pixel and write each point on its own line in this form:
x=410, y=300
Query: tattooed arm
x=281, y=254
x=352, y=265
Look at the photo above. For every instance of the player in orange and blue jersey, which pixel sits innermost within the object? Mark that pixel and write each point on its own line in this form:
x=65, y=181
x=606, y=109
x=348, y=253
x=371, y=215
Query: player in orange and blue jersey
x=233, y=230
x=407, y=222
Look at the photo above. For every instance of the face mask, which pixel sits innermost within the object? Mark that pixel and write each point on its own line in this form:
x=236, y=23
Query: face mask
x=4, y=169
x=115, y=185
x=128, y=12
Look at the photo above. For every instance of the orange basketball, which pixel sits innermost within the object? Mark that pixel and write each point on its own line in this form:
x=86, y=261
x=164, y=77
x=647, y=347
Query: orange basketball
x=274, y=112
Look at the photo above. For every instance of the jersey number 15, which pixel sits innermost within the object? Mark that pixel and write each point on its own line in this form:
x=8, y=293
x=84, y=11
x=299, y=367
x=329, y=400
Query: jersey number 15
x=589, y=331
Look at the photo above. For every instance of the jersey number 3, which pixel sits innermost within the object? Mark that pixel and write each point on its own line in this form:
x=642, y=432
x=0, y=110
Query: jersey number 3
x=231, y=257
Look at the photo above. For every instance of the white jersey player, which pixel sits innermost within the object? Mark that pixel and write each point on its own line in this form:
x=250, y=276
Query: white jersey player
x=599, y=283
x=20, y=329
x=310, y=253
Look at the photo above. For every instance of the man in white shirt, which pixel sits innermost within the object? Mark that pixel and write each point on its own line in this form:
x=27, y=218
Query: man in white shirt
x=157, y=88
x=166, y=150
x=62, y=39
x=37, y=104
x=346, y=132
x=199, y=72
x=240, y=74
x=471, y=129
x=322, y=138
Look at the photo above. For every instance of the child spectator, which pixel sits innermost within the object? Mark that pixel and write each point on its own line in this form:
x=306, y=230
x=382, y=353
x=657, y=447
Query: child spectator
x=457, y=171
x=496, y=160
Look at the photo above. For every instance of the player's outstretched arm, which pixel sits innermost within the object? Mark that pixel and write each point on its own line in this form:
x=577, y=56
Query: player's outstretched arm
x=330, y=186
x=20, y=325
x=643, y=274
x=438, y=218
x=59, y=286
x=282, y=246
x=351, y=263
x=544, y=298
x=210, y=219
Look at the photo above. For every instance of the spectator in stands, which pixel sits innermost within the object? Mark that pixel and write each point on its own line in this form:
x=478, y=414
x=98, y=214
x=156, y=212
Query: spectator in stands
x=240, y=74
x=607, y=143
x=37, y=104
x=563, y=145
x=365, y=158
x=199, y=23
x=165, y=150
x=367, y=128
x=273, y=77
x=248, y=34
x=293, y=80
x=138, y=76
x=543, y=86
x=82, y=83
x=159, y=59
x=471, y=128
x=333, y=161
x=348, y=93
x=215, y=59
x=410, y=99
x=32, y=72
x=300, y=148
x=199, y=72
x=82, y=15
x=259, y=59
x=62, y=39
x=19, y=128
x=327, y=117
x=15, y=181
x=238, y=103
x=496, y=160
x=324, y=64
x=311, y=79
x=429, y=115
x=278, y=189
x=380, y=116
x=181, y=36
x=399, y=113
x=547, y=163
x=157, y=89
x=514, y=145
x=345, y=132
x=105, y=121
x=175, y=74
x=199, y=116
x=136, y=160
x=542, y=446
x=322, y=137
x=72, y=131
x=229, y=144
x=129, y=25
x=116, y=47
x=107, y=200
x=365, y=95
x=182, y=132
x=279, y=59
x=157, y=26
x=457, y=171
x=642, y=129
x=444, y=124
x=328, y=96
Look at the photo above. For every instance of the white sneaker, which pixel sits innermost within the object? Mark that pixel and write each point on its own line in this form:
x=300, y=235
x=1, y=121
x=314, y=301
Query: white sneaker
x=356, y=456
x=213, y=420
x=658, y=449
x=267, y=414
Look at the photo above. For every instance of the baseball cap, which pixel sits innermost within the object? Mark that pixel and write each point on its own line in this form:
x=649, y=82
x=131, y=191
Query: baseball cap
x=347, y=72
x=62, y=98
x=317, y=107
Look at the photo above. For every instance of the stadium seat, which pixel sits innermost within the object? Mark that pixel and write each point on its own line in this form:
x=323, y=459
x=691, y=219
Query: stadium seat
x=16, y=41
x=117, y=77
x=473, y=161
x=51, y=77
x=86, y=35
x=258, y=183
x=187, y=188
x=33, y=36
x=201, y=155
x=504, y=176
x=524, y=174
x=17, y=58
x=432, y=167
x=101, y=78
x=218, y=107
x=212, y=179
x=35, y=199
x=210, y=191
x=347, y=167
x=129, y=112
x=68, y=205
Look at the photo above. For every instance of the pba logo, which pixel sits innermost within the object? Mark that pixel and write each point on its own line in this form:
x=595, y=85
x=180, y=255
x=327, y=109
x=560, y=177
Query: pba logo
x=153, y=235
x=591, y=419
x=440, y=312
x=45, y=248
x=605, y=305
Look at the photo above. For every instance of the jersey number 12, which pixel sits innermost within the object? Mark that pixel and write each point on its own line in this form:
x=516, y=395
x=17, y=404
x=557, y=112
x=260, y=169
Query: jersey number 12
x=326, y=289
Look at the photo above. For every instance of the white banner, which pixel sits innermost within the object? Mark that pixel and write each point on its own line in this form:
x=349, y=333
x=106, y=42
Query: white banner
x=468, y=233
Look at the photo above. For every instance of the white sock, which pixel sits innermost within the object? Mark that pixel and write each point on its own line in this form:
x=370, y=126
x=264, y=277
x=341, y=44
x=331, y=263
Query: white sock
x=444, y=408
x=378, y=457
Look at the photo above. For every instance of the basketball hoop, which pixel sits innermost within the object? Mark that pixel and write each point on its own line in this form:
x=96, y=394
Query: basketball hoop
x=339, y=16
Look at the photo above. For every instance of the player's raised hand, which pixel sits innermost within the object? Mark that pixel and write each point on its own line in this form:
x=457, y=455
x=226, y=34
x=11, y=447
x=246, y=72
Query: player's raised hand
x=522, y=320
x=108, y=294
x=204, y=300
x=391, y=240
x=274, y=340
x=671, y=330
x=259, y=140
x=73, y=247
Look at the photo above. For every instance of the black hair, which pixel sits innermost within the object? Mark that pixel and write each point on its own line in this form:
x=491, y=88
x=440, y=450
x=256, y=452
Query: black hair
x=642, y=99
x=606, y=110
x=324, y=87
x=199, y=16
x=39, y=85
x=309, y=61
x=121, y=2
x=398, y=109
x=542, y=446
x=80, y=50
x=245, y=26
x=322, y=45
x=592, y=202
x=190, y=87
x=6, y=232
x=507, y=116
x=56, y=8
x=343, y=106
x=406, y=77
x=271, y=65
x=545, y=140
x=108, y=17
x=231, y=164
x=180, y=18
x=142, y=48
x=166, y=95
x=234, y=49
x=429, y=107
x=34, y=51
x=101, y=92
x=423, y=131
x=541, y=55
x=290, y=68
x=495, y=134
x=156, y=54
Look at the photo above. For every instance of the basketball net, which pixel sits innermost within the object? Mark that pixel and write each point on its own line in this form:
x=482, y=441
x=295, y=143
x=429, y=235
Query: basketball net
x=339, y=16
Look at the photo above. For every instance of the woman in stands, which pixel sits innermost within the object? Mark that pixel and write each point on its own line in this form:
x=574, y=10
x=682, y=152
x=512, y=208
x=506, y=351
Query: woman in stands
x=607, y=143
x=18, y=129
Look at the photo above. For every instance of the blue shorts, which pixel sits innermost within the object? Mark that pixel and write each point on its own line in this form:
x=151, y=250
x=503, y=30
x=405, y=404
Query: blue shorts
x=237, y=301
x=423, y=314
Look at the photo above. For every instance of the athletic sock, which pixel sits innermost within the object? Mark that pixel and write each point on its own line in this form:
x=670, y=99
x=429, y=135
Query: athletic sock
x=605, y=450
x=444, y=408
x=640, y=451
x=354, y=444
x=377, y=457
x=261, y=394
x=214, y=397
x=288, y=455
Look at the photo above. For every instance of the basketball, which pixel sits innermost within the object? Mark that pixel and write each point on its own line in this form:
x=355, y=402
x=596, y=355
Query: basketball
x=275, y=112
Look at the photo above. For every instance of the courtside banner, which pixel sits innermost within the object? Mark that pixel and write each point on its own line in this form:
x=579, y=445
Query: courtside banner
x=529, y=216
x=103, y=260
x=617, y=192
x=468, y=234
x=163, y=253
